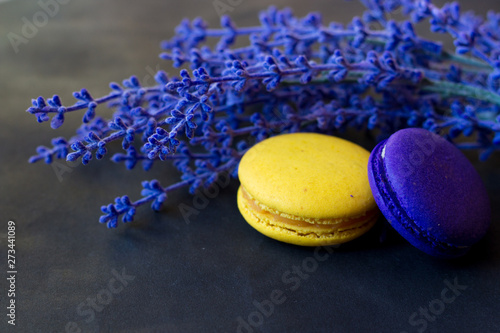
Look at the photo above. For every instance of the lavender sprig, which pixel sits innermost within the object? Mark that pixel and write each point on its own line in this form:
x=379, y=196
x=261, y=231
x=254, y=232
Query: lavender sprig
x=296, y=74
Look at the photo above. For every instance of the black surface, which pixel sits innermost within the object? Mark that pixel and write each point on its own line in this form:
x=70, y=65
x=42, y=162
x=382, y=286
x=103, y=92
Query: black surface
x=204, y=275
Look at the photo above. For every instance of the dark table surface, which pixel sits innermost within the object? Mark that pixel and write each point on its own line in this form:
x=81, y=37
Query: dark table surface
x=215, y=273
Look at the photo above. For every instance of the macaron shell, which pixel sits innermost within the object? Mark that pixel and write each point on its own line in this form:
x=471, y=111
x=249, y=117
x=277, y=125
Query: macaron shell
x=437, y=186
x=429, y=192
x=332, y=173
x=390, y=207
x=264, y=224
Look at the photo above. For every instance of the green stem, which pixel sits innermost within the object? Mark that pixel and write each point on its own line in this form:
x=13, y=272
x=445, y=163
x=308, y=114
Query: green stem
x=447, y=88
x=445, y=56
x=465, y=60
x=352, y=77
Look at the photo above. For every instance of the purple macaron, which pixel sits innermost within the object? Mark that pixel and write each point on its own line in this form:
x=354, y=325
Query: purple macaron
x=429, y=192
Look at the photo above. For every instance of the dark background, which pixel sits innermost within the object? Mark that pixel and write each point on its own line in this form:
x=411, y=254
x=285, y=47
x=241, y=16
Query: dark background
x=212, y=273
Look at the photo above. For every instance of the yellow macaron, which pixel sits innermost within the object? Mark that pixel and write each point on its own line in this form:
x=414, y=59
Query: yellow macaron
x=307, y=189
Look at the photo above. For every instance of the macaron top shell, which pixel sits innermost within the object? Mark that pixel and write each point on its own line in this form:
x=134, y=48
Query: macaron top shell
x=332, y=173
x=435, y=185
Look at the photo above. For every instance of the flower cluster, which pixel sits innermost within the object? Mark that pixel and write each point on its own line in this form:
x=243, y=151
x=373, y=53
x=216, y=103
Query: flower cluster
x=295, y=74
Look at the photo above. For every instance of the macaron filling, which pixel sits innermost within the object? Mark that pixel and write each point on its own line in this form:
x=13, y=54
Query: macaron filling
x=306, y=226
x=395, y=208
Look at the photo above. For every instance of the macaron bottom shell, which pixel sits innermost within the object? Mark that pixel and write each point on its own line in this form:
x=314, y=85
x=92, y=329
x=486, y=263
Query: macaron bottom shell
x=311, y=235
x=398, y=218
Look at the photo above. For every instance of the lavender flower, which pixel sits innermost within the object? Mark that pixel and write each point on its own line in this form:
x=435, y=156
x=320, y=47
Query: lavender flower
x=296, y=74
